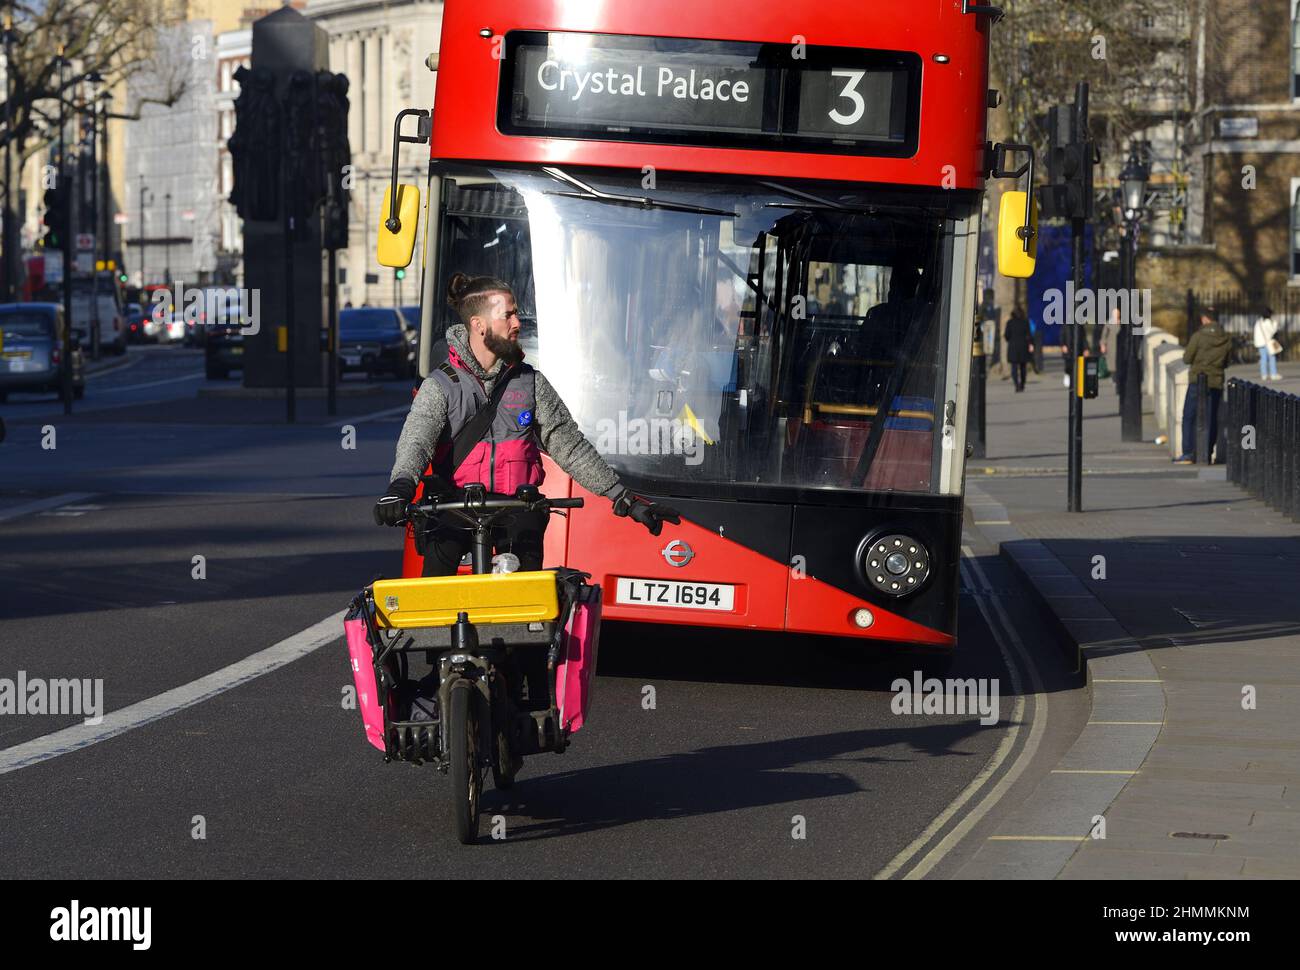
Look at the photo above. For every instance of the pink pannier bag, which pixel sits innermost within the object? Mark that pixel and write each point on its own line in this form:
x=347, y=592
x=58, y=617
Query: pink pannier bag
x=363, y=673
x=575, y=675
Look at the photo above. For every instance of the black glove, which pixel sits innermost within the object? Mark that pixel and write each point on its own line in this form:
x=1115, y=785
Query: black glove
x=649, y=514
x=391, y=509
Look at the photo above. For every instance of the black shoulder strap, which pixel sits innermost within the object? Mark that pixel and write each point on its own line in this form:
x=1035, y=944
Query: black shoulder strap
x=472, y=431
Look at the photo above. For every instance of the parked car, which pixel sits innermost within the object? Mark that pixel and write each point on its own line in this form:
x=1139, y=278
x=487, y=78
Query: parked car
x=31, y=350
x=376, y=340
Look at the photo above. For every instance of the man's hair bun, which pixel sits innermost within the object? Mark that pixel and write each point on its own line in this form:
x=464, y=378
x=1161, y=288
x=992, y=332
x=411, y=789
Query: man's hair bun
x=458, y=287
x=469, y=295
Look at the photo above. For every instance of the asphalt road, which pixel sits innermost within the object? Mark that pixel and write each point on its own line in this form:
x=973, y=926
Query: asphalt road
x=98, y=539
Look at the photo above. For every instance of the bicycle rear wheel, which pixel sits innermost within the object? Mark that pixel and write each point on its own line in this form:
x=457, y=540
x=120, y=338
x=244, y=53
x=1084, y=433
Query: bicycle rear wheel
x=466, y=767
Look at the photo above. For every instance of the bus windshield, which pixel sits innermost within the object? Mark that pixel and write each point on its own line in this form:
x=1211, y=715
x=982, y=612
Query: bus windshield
x=723, y=330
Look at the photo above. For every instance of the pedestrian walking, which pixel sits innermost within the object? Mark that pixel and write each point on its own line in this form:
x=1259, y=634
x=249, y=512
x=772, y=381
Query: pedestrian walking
x=1207, y=353
x=1121, y=361
x=1267, y=345
x=1020, y=345
x=992, y=314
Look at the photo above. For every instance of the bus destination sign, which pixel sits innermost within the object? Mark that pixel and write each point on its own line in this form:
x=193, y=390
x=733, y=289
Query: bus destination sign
x=720, y=93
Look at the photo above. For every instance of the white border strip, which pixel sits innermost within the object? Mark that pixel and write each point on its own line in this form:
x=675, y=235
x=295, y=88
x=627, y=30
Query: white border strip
x=169, y=702
x=983, y=592
x=40, y=505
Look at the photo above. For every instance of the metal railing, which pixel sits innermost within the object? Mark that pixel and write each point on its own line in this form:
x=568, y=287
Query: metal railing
x=1263, y=438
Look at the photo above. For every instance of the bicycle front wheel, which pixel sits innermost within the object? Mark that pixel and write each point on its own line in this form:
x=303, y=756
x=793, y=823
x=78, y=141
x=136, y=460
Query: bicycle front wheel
x=466, y=769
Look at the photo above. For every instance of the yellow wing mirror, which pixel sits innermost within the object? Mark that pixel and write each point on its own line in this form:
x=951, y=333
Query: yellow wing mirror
x=400, y=214
x=399, y=220
x=1015, y=258
x=1017, y=215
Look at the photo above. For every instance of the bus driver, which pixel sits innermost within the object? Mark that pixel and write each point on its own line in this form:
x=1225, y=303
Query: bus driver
x=483, y=350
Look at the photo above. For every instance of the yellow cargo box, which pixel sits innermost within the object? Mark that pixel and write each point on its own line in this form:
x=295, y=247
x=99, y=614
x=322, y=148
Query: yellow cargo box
x=493, y=598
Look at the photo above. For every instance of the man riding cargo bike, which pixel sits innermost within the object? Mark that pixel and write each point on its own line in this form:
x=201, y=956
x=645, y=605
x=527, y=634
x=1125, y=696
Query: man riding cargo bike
x=511, y=648
x=509, y=409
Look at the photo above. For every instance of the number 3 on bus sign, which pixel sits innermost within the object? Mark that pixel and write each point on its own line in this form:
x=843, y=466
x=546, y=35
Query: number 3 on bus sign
x=851, y=92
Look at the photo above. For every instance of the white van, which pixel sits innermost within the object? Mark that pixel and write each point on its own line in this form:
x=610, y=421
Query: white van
x=112, y=329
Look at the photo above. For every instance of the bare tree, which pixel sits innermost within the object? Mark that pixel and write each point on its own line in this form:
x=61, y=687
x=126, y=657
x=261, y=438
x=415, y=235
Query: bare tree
x=1132, y=53
x=114, y=39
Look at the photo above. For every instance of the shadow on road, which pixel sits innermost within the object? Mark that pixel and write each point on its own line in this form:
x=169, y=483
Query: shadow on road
x=713, y=780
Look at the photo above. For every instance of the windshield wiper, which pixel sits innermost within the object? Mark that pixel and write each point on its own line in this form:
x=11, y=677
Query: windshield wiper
x=811, y=201
x=640, y=201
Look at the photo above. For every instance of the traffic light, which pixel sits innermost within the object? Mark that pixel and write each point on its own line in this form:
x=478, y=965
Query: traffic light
x=401, y=274
x=1070, y=158
x=56, y=216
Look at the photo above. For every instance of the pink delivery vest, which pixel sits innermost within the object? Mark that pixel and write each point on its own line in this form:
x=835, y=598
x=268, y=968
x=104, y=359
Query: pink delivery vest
x=508, y=457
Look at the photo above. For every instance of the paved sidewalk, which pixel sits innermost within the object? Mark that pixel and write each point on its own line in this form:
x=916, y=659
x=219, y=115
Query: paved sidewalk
x=1181, y=595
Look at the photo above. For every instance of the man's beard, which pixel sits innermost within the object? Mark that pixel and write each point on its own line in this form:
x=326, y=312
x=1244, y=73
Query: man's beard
x=505, y=348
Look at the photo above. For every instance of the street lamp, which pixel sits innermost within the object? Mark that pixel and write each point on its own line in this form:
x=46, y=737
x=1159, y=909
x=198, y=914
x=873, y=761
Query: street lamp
x=10, y=282
x=146, y=199
x=106, y=195
x=94, y=79
x=1133, y=189
x=167, y=241
x=1133, y=183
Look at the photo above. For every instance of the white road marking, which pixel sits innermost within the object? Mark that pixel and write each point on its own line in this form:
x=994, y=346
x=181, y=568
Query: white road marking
x=40, y=505
x=92, y=375
x=1089, y=771
x=136, y=387
x=1144, y=723
x=373, y=415
x=1038, y=727
x=1126, y=680
x=169, y=702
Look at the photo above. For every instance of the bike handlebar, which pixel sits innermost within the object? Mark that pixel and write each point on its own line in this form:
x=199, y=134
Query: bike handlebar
x=493, y=504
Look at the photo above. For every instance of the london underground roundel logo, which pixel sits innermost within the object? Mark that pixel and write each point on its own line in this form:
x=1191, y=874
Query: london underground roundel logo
x=678, y=553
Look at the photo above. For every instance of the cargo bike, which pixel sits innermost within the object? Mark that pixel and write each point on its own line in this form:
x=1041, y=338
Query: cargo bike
x=486, y=637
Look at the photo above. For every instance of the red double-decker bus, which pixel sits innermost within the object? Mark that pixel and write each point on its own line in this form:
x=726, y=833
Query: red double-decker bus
x=743, y=238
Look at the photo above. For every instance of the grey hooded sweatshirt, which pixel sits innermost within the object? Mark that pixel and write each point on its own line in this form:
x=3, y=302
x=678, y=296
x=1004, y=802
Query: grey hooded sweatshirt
x=557, y=432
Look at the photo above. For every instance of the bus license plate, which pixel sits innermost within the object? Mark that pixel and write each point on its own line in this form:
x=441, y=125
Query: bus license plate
x=669, y=592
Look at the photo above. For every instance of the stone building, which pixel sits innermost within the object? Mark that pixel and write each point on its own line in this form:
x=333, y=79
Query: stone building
x=381, y=45
x=234, y=50
x=1242, y=152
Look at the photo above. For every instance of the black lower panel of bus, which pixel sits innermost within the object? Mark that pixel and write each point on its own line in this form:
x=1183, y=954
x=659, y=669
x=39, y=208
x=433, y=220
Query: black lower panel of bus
x=832, y=540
